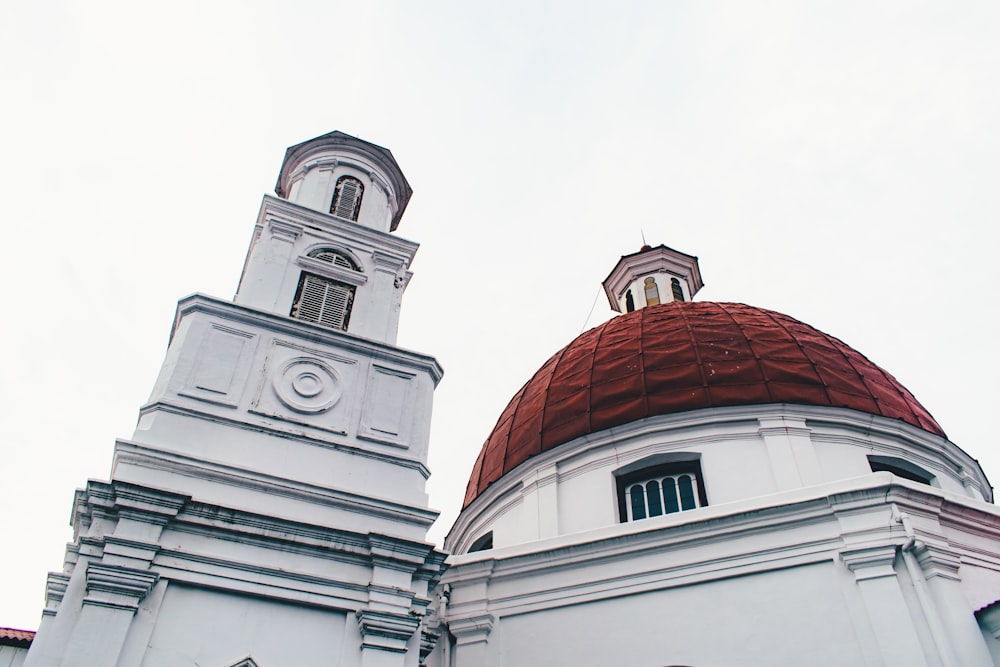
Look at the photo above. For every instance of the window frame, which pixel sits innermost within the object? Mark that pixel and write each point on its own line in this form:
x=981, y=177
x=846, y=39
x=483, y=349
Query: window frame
x=658, y=471
x=337, y=196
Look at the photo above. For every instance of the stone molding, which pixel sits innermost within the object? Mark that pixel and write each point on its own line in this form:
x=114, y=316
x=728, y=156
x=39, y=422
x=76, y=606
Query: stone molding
x=937, y=561
x=329, y=270
x=386, y=631
x=471, y=629
x=871, y=562
x=274, y=209
x=284, y=231
x=117, y=587
x=156, y=459
x=802, y=527
x=279, y=325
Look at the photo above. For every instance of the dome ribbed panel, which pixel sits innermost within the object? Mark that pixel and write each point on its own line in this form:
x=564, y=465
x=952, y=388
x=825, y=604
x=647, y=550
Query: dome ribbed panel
x=683, y=356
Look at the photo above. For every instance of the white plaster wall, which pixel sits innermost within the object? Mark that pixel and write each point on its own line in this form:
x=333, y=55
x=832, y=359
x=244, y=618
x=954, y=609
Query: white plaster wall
x=746, y=452
x=202, y=627
x=789, y=618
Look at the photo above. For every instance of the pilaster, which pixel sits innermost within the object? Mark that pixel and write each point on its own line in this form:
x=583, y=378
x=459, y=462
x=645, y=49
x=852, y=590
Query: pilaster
x=875, y=576
x=940, y=566
x=471, y=638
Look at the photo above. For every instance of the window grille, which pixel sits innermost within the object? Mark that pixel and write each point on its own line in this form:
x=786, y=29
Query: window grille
x=675, y=287
x=334, y=257
x=347, y=198
x=664, y=489
x=323, y=301
x=652, y=292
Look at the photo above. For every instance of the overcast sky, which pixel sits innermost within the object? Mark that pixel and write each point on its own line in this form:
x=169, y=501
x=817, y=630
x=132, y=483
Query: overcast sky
x=835, y=161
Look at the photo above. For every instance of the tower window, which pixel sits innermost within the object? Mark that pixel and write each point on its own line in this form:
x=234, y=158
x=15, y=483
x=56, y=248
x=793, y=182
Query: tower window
x=323, y=301
x=675, y=287
x=652, y=292
x=347, y=198
x=629, y=302
x=663, y=489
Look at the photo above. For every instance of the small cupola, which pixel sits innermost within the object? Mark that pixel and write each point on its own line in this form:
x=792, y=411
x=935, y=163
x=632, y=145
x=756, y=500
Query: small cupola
x=650, y=277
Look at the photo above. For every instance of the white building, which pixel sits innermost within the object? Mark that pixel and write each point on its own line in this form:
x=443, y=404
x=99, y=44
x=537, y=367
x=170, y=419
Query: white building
x=690, y=483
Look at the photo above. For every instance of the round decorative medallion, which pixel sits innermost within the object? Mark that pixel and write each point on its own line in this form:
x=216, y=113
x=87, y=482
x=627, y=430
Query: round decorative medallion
x=307, y=385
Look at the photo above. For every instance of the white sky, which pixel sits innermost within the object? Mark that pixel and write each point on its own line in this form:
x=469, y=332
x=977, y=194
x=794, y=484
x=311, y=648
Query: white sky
x=836, y=161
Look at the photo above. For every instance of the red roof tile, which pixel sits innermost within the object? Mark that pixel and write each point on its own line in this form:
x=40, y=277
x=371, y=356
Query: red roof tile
x=12, y=637
x=684, y=356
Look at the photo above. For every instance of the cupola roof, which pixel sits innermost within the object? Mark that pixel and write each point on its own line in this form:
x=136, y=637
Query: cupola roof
x=682, y=356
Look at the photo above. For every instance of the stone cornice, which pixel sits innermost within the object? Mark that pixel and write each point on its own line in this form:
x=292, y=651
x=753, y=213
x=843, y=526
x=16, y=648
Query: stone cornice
x=160, y=460
x=386, y=631
x=315, y=333
x=117, y=586
x=266, y=426
x=275, y=209
x=870, y=562
x=329, y=270
x=634, y=550
x=471, y=629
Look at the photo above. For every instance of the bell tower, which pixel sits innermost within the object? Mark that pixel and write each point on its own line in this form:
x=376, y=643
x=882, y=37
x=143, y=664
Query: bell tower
x=277, y=472
x=321, y=250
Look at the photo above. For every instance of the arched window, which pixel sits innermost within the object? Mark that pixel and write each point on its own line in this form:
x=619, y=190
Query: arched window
x=347, y=198
x=322, y=299
x=661, y=489
x=629, y=302
x=675, y=287
x=334, y=257
x=652, y=292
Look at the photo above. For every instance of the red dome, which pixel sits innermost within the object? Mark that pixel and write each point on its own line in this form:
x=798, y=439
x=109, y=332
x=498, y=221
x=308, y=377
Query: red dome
x=684, y=356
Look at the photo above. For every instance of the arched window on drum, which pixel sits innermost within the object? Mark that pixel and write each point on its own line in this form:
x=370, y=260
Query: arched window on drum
x=659, y=490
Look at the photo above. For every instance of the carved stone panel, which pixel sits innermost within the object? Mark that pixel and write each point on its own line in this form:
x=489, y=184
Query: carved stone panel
x=305, y=386
x=388, y=406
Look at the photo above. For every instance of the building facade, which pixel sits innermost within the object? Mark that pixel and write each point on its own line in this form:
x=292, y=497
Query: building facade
x=690, y=483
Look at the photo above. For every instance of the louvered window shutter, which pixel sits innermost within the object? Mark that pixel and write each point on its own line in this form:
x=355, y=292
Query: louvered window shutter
x=323, y=301
x=675, y=287
x=347, y=198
